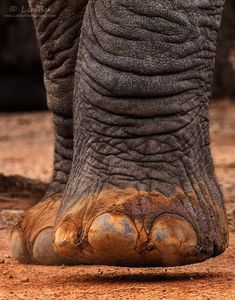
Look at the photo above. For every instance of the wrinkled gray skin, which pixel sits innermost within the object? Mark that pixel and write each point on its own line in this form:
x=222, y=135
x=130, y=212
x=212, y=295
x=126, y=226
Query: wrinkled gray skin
x=140, y=97
x=58, y=26
x=129, y=97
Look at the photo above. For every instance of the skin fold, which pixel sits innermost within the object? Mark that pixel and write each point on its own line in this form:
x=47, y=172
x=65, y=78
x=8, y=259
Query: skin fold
x=58, y=26
x=133, y=79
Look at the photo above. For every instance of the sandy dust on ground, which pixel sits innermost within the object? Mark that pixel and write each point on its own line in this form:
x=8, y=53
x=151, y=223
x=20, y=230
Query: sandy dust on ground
x=26, y=144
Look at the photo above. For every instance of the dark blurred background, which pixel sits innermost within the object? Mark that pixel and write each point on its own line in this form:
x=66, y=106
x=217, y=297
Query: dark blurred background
x=21, y=78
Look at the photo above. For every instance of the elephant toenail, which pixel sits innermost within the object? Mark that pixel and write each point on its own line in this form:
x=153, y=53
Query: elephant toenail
x=43, y=251
x=173, y=235
x=18, y=248
x=113, y=235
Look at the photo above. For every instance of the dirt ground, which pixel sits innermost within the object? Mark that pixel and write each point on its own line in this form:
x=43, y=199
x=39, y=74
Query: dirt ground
x=26, y=144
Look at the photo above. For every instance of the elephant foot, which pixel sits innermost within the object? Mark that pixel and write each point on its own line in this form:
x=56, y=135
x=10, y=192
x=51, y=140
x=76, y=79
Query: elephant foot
x=32, y=238
x=135, y=228
x=122, y=227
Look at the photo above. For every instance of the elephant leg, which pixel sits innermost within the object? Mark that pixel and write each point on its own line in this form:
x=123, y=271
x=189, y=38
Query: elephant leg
x=142, y=189
x=58, y=26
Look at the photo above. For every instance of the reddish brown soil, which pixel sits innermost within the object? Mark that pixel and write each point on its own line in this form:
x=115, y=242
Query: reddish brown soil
x=26, y=143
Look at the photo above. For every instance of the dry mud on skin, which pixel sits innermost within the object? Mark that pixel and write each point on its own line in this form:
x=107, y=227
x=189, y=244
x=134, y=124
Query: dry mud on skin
x=26, y=143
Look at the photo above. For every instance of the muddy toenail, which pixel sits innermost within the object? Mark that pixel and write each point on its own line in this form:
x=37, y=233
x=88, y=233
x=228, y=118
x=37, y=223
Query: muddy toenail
x=113, y=236
x=173, y=235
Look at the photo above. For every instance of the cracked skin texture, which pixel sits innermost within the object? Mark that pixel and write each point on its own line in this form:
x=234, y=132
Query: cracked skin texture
x=119, y=227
